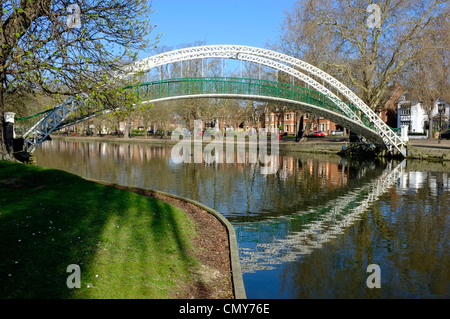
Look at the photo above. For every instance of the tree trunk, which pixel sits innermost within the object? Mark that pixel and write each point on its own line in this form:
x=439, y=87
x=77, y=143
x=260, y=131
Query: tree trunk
x=430, y=127
x=3, y=152
x=311, y=119
x=127, y=131
x=299, y=125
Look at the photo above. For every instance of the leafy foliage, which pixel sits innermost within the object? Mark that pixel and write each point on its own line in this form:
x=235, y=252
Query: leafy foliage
x=42, y=51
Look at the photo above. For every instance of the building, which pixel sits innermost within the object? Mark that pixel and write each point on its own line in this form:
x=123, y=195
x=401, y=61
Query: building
x=289, y=122
x=412, y=115
x=388, y=106
x=415, y=116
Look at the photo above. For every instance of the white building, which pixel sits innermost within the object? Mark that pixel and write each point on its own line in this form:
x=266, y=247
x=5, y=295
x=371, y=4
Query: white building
x=414, y=115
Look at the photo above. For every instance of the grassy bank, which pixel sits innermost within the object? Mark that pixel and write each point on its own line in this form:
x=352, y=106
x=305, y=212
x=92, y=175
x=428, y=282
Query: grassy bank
x=127, y=245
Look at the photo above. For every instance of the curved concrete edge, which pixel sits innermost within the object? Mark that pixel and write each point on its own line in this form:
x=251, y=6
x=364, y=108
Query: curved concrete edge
x=236, y=271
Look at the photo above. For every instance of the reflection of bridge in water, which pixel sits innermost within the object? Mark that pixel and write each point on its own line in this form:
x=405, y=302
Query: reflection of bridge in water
x=329, y=221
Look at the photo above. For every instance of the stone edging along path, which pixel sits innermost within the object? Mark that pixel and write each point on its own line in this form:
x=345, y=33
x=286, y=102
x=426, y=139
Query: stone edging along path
x=236, y=272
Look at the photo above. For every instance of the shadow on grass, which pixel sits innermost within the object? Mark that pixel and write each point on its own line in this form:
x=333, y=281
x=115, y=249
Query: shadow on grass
x=127, y=245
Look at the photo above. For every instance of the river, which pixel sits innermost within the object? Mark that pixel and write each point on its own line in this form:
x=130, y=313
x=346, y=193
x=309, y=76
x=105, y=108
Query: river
x=308, y=229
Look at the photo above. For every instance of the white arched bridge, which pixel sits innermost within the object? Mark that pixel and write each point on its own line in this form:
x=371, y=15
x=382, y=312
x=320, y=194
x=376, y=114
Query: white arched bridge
x=325, y=95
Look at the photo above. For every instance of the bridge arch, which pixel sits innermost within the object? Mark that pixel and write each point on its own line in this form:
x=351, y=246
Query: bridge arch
x=285, y=63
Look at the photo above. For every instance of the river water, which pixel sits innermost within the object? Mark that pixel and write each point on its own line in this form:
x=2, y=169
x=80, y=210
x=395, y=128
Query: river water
x=311, y=227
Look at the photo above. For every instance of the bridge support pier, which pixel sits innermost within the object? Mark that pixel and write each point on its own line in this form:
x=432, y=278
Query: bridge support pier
x=9, y=131
x=360, y=150
x=404, y=133
x=14, y=145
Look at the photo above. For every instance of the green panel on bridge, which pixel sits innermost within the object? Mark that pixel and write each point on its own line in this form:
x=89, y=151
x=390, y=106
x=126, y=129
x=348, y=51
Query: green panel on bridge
x=240, y=86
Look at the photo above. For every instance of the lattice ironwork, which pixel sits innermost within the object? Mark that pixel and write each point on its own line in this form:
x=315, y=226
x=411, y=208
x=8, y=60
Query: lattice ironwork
x=40, y=131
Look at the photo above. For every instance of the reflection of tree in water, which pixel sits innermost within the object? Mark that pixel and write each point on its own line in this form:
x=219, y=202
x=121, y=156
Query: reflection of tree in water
x=405, y=232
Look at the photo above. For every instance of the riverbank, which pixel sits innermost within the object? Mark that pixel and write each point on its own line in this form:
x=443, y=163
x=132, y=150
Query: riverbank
x=429, y=149
x=422, y=149
x=128, y=243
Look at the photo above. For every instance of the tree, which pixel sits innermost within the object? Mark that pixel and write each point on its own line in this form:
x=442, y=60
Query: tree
x=365, y=52
x=189, y=109
x=427, y=79
x=58, y=48
x=232, y=112
x=146, y=115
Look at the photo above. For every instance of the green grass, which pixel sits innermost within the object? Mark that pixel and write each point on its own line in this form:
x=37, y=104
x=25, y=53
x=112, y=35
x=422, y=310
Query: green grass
x=127, y=245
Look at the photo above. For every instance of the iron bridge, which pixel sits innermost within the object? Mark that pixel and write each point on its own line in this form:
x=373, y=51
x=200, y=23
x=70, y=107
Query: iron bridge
x=347, y=110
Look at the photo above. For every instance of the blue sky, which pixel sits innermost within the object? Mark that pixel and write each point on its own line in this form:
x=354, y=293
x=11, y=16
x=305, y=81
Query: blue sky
x=245, y=22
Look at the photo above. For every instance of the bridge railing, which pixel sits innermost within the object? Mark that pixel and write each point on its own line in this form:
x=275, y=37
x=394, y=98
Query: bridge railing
x=80, y=114
x=34, y=129
x=241, y=86
x=23, y=124
x=209, y=85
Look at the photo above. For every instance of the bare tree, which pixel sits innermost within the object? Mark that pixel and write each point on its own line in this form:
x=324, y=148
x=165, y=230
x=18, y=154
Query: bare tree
x=193, y=109
x=427, y=78
x=341, y=38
